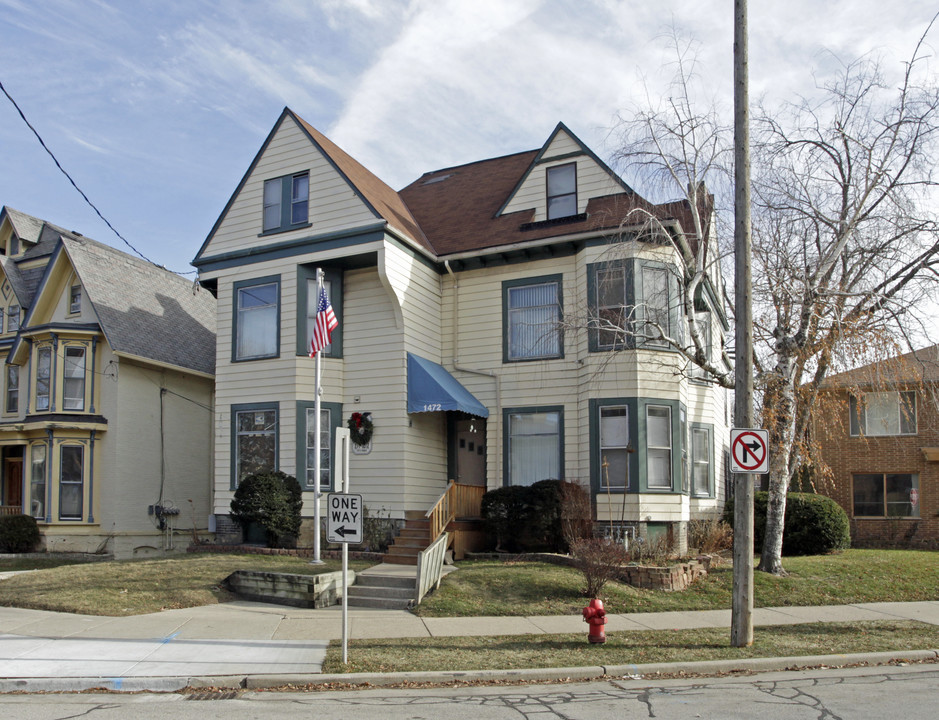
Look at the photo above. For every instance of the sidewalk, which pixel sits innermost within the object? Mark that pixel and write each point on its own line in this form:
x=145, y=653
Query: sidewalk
x=252, y=644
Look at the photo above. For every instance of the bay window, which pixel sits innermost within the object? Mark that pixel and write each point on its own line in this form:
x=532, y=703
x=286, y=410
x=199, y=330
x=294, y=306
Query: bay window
x=659, y=446
x=74, y=385
x=43, y=377
x=37, y=481
x=71, y=482
x=614, y=447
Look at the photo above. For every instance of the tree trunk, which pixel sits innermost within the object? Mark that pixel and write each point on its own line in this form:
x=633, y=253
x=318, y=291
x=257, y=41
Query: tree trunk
x=781, y=398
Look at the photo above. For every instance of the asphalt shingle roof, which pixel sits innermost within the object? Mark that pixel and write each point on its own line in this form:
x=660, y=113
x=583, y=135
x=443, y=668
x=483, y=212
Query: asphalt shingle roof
x=145, y=310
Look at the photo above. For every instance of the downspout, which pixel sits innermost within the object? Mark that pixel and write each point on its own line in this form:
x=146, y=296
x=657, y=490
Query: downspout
x=484, y=373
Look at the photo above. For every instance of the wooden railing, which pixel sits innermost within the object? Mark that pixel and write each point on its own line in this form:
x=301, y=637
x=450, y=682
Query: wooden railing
x=10, y=510
x=457, y=500
x=430, y=567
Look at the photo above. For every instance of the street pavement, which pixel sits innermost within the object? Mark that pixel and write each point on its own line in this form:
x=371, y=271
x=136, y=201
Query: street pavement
x=250, y=644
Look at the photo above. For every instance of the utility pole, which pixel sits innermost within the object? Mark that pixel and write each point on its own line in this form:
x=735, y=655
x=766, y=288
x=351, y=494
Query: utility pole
x=741, y=627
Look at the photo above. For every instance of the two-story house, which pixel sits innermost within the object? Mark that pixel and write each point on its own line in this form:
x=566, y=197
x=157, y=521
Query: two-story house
x=457, y=299
x=106, y=418
x=878, y=434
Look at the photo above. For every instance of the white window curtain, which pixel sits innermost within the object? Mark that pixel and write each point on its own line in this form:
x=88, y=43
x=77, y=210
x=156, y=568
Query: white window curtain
x=614, y=439
x=257, y=321
x=701, y=460
x=311, y=447
x=659, y=446
x=533, y=321
x=534, y=447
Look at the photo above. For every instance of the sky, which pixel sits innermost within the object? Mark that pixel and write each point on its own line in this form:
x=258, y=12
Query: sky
x=156, y=108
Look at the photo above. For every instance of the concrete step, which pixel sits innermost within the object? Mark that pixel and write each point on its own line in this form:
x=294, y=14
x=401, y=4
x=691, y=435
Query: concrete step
x=385, y=581
x=380, y=602
x=392, y=593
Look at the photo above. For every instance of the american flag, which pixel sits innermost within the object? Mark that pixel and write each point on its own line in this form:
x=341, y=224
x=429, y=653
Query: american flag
x=324, y=324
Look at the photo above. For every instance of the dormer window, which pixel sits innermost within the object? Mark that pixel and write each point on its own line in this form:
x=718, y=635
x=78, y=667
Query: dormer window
x=562, y=191
x=286, y=202
x=75, y=300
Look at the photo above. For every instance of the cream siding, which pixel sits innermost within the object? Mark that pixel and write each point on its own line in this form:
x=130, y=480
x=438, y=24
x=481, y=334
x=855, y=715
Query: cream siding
x=334, y=205
x=593, y=180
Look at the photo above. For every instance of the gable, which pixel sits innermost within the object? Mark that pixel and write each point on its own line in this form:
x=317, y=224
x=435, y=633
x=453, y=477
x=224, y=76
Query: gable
x=333, y=206
x=593, y=177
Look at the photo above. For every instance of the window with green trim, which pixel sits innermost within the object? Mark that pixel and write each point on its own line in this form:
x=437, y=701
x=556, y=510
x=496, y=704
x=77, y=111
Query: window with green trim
x=257, y=319
x=286, y=202
x=306, y=308
x=532, y=312
x=534, y=445
x=702, y=460
x=562, y=190
x=254, y=440
x=614, y=446
x=659, y=446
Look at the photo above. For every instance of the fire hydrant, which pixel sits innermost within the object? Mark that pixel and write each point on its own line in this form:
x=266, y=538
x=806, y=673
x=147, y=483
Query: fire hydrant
x=595, y=615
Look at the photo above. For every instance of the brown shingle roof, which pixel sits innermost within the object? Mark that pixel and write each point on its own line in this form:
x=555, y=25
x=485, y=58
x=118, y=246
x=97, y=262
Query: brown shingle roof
x=380, y=196
x=457, y=208
x=913, y=367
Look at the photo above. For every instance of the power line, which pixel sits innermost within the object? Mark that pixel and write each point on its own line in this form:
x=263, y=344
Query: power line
x=75, y=185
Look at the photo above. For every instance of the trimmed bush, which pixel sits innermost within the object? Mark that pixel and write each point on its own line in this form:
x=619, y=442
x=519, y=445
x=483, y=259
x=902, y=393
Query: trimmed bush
x=273, y=502
x=814, y=524
x=18, y=533
x=526, y=518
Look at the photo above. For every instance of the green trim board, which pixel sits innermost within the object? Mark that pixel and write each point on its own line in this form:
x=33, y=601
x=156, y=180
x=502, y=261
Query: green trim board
x=506, y=442
x=677, y=444
x=334, y=276
x=335, y=421
x=233, y=457
x=290, y=248
x=239, y=285
x=508, y=285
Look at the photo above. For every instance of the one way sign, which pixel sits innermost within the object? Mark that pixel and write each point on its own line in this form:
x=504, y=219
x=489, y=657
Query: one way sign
x=343, y=518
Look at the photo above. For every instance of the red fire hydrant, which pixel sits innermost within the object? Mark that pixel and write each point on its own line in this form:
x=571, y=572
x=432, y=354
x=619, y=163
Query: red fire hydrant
x=595, y=615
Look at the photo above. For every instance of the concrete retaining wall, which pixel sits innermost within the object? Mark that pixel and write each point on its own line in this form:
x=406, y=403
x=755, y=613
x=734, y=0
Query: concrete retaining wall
x=307, y=591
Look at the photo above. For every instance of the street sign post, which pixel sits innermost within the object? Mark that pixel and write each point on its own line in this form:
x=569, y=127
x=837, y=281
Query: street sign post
x=344, y=518
x=749, y=451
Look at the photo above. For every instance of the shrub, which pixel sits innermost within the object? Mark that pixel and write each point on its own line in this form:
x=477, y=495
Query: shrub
x=576, y=513
x=527, y=518
x=710, y=536
x=273, y=501
x=18, y=533
x=813, y=525
x=503, y=511
x=599, y=559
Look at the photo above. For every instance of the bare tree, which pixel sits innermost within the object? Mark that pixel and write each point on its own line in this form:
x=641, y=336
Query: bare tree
x=845, y=239
x=845, y=242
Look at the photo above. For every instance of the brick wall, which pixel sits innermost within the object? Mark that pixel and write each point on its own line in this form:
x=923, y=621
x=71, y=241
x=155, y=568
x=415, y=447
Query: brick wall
x=847, y=455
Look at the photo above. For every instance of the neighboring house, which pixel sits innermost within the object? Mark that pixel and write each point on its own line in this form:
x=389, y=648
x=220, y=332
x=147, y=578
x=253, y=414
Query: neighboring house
x=878, y=434
x=106, y=427
x=451, y=296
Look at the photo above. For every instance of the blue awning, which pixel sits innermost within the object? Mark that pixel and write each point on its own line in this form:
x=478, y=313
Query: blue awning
x=433, y=389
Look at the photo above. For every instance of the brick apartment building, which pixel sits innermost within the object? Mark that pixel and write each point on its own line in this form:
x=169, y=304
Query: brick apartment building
x=879, y=434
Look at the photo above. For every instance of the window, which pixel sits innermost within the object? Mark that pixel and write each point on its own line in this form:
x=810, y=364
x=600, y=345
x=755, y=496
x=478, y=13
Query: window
x=614, y=447
x=659, y=446
x=562, y=191
x=532, y=313
x=325, y=453
x=701, y=460
x=37, y=481
x=71, y=485
x=306, y=308
x=75, y=300
x=704, y=329
x=13, y=318
x=614, y=317
x=13, y=389
x=886, y=495
x=74, y=398
x=286, y=202
x=257, y=319
x=655, y=304
x=534, y=446
x=254, y=441
x=312, y=302
x=1, y=320
x=43, y=377
x=883, y=413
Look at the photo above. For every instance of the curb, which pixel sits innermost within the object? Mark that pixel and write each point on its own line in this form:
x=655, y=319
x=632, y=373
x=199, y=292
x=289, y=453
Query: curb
x=644, y=672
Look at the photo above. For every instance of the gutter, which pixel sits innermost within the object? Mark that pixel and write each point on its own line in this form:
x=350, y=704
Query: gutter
x=484, y=373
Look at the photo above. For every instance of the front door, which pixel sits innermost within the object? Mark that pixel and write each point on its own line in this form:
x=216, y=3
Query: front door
x=13, y=482
x=469, y=450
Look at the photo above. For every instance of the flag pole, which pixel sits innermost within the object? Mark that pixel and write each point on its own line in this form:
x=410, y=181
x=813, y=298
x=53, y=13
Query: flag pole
x=316, y=437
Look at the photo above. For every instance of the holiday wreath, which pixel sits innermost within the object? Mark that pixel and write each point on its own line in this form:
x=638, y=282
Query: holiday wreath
x=361, y=428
